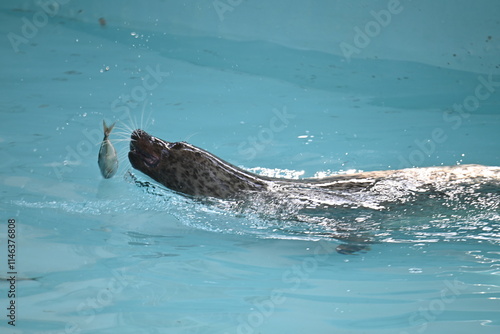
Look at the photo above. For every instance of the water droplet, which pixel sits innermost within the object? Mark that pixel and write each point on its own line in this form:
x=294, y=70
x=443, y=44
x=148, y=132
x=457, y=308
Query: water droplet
x=415, y=270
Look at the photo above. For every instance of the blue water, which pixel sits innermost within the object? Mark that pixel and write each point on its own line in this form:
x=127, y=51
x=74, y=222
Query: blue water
x=107, y=256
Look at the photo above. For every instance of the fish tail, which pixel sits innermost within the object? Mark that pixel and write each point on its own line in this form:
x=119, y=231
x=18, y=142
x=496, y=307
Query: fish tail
x=107, y=129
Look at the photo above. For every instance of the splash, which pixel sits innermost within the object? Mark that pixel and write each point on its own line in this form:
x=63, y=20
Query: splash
x=390, y=213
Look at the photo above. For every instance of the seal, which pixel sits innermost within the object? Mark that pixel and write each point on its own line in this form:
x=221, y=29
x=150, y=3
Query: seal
x=193, y=171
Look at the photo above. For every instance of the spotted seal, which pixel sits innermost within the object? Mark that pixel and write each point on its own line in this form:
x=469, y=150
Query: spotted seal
x=193, y=171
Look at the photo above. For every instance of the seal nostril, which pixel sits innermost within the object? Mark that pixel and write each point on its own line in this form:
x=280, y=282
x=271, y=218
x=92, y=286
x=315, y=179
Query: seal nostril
x=138, y=134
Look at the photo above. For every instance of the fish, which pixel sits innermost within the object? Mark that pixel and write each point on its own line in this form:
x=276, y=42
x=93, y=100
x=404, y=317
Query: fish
x=108, y=159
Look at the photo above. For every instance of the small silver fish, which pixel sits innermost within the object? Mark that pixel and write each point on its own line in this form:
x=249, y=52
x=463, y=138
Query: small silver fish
x=108, y=160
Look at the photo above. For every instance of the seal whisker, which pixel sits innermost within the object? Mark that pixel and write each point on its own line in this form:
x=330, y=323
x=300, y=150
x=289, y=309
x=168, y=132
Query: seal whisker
x=124, y=130
x=120, y=140
x=122, y=157
x=125, y=127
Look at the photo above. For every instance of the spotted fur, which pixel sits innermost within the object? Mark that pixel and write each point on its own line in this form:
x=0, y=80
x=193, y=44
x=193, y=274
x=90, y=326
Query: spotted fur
x=193, y=171
x=188, y=169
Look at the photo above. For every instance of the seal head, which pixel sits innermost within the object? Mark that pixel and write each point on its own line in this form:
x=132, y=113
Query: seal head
x=188, y=169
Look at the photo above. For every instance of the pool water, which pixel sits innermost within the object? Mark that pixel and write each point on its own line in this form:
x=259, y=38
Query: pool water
x=109, y=256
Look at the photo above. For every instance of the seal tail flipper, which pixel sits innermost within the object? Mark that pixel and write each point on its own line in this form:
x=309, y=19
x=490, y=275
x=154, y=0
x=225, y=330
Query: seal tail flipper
x=351, y=249
x=107, y=129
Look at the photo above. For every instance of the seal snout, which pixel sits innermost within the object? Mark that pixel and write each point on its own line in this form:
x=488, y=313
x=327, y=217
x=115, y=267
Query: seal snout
x=138, y=134
x=141, y=152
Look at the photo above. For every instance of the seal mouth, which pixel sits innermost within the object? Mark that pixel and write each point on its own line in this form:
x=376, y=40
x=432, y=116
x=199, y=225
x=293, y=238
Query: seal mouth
x=141, y=148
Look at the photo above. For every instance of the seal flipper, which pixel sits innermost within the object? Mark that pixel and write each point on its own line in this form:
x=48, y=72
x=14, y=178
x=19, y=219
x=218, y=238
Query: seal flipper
x=351, y=249
x=354, y=243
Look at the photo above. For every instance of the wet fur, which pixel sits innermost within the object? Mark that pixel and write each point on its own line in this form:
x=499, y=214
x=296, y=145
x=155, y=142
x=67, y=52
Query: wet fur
x=193, y=171
x=188, y=169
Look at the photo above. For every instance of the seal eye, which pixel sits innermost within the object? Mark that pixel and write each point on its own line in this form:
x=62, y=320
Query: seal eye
x=176, y=146
x=165, y=154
